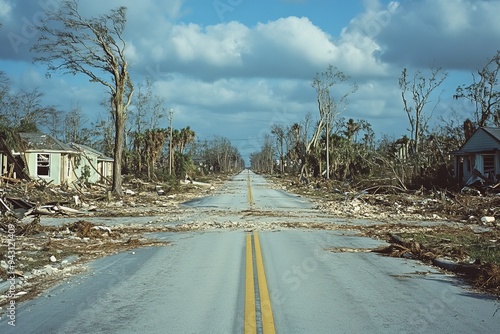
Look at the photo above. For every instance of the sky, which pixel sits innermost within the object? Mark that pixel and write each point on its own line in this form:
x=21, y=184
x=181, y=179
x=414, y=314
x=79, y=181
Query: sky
x=234, y=68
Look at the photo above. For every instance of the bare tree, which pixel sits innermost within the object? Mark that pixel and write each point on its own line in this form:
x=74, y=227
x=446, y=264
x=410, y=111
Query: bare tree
x=419, y=88
x=24, y=111
x=74, y=121
x=329, y=107
x=279, y=132
x=94, y=47
x=484, y=92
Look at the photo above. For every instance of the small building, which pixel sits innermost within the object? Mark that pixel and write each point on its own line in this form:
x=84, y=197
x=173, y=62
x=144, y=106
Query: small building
x=92, y=165
x=40, y=156
x=479, y=154
x=47, y=158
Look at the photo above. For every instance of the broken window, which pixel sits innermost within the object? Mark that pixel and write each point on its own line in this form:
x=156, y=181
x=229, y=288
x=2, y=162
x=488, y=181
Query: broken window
x=489, y=165
x=42, y=164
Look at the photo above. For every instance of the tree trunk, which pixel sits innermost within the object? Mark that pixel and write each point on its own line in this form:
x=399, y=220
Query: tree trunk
x=119, y=129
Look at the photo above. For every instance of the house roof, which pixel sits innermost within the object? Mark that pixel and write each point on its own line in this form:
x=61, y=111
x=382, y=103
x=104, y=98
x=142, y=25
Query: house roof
x=494, y=132
x=485, y=139
x=100, y=155
x=36, y=141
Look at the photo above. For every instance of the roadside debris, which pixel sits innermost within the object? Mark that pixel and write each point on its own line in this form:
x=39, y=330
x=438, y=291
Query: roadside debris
x=387, y=203
x=47, y=254
x=461, y=250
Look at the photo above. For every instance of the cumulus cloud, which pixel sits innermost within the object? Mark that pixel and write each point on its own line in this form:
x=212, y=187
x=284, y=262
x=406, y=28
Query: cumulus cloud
x=458, y=34
x=290, y=47
x=217, y=76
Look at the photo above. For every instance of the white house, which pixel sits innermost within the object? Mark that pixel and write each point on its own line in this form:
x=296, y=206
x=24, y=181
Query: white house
x=481, y=152
x=41, y=156
x=47, y=158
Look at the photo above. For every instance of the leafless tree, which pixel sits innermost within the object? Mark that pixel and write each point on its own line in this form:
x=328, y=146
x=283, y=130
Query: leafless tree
x=24, y=111
x=415, y=92
x=278, y=130
x=94, y=47
x=484, y=92
x=329, y=106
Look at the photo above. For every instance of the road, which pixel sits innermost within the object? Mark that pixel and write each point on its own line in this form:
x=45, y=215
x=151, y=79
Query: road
x=257, y=279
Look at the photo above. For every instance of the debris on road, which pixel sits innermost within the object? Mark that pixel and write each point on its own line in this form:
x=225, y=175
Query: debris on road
x=464, y=228
x=47, y=254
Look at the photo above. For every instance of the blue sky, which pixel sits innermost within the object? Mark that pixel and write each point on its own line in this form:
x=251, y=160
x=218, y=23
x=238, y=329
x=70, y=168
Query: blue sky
x=234, y=68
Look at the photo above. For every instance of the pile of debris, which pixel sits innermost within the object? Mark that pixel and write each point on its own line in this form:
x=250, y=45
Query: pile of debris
x=25, y=199
x=476, y=204
x=473, y=255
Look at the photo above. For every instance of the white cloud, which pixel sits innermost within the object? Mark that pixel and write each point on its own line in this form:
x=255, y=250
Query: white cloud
x=220, y=76
x=218, y=45
x=5, y=8
x=289, y=47
x=456, y=34
x=295, y=36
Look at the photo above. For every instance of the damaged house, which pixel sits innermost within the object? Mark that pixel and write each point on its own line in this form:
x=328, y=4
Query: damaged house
x=92, y=164
x=40, y=156
x=479, y=157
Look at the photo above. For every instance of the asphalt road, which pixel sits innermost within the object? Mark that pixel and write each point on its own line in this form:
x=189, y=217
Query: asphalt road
x=213, y=281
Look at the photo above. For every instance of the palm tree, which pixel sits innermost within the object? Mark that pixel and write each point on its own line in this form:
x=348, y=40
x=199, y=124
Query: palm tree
x=186, y=136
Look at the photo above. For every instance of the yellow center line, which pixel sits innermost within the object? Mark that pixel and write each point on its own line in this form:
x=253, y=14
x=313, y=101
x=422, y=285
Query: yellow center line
x=266, y=311
x=250, y=317
x=265, y=300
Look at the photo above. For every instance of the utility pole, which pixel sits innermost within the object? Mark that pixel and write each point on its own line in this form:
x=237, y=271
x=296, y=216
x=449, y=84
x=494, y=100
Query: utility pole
x=327, y=145
x=171, y=111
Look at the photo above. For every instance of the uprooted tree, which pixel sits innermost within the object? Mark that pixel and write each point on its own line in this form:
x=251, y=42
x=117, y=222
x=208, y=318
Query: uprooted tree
x=94, y=47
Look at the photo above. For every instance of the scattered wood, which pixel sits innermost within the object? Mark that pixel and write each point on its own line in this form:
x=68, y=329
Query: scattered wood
x=54, y=210
x=21, y=228
x=10, y=179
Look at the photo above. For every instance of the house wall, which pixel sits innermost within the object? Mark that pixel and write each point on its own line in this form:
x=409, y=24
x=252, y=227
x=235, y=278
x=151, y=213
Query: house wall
x=106, y=169
x=66, y=171
x=87, y=159
x=54, y=166
x=476, y=161
x=60, y=166
x=481, y=141
x=467, y=166
x=497, y=167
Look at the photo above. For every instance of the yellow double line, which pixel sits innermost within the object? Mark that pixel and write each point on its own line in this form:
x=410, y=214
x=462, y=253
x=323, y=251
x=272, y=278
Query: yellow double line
x=265, y=301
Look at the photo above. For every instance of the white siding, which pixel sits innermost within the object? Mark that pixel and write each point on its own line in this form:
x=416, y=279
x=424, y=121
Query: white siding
x=480, y=141
x=479, y=165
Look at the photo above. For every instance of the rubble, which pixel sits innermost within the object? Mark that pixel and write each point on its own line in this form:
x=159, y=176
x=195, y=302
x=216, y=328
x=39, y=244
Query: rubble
x=462, y=234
